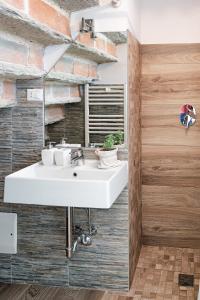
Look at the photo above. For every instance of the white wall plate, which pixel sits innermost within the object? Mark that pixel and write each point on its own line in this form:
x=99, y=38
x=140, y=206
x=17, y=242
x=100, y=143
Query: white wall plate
x=8, y=233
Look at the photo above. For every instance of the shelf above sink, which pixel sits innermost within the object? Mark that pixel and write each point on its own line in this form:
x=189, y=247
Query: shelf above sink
x=85, y=186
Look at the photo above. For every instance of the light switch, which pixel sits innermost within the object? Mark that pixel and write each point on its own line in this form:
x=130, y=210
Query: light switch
x=35, y=95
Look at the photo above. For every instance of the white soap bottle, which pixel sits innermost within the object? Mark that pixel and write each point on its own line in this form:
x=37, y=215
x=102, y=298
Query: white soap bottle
x=63, y=143
x=62, y=157
x=48, y=155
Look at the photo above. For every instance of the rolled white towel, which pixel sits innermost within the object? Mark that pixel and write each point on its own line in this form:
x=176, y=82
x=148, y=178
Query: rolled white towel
x=62, y=157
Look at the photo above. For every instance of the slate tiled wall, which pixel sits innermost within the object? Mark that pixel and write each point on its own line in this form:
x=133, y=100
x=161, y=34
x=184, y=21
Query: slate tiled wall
x=41, y=230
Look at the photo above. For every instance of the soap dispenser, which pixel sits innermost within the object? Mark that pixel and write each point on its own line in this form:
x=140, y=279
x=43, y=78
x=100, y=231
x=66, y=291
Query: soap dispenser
x=48, y=157
x=63, y=141
x=63, y=154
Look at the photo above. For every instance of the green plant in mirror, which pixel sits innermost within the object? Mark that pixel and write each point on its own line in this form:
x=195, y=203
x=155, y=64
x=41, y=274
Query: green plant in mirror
x=109, y=142
x=112, y=140
x=118, y=138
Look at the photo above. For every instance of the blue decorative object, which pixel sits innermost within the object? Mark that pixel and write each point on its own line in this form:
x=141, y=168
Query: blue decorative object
x=187, y=115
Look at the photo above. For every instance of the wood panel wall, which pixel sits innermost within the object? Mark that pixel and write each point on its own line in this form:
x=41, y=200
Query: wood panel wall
x=170, y=153
x=135, y=210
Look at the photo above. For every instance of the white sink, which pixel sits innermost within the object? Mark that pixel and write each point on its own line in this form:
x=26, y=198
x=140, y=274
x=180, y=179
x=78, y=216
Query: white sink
x=85, y=186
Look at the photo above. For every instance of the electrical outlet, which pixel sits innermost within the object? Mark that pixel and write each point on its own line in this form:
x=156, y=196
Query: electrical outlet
x=35, y=95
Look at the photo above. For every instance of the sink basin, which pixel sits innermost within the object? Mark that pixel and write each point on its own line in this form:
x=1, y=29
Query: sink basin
x=85, y=186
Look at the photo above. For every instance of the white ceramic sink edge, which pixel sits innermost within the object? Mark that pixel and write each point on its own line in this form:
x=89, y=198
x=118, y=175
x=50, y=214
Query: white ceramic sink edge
x=85, y=186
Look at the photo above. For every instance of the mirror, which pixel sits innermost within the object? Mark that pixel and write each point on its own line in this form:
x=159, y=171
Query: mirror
x=85, y=91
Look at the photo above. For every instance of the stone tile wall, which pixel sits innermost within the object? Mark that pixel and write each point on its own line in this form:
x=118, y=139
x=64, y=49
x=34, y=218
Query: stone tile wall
x=41, y=257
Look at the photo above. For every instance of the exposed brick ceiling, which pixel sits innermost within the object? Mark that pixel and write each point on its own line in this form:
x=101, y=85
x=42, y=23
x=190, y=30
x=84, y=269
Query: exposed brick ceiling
x=74, y=5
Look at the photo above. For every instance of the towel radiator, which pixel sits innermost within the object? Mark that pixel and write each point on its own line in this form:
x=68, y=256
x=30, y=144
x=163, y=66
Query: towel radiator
x=105, y=111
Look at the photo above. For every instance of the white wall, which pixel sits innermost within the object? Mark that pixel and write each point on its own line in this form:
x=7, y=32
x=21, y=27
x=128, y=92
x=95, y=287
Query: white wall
x=115, y=73
x=151, y=21
x=133, y=7
x=109, y=19
x=170, y=21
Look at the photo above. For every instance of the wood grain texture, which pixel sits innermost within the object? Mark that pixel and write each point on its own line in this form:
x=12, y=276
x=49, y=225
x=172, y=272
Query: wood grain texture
x=135, y=210
x=171, y=53
x=30, y=292
x=170, y=153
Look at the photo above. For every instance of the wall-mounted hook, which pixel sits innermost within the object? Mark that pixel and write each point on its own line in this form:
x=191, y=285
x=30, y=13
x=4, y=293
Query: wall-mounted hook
x=187, y=115
x=116, y=3
x=88, y=25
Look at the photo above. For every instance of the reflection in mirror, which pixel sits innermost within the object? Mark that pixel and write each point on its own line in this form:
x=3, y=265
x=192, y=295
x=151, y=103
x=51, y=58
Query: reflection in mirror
x=85, y=92
x=64, y=113
x=104, y=112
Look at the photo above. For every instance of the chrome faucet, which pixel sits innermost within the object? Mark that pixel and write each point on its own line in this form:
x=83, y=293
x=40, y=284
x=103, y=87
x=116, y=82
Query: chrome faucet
x=77, y=157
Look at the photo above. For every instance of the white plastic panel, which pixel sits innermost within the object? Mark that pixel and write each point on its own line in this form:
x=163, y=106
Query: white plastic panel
x=8, y=233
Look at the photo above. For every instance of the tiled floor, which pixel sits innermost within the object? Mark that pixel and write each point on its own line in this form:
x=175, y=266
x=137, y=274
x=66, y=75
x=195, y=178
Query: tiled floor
x=156, y=278
x=157, y=273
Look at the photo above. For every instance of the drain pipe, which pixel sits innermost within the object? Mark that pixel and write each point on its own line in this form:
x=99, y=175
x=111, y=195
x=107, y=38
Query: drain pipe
x=69, y=234
x=84, y=238
x=89, y=221
x=91, y=228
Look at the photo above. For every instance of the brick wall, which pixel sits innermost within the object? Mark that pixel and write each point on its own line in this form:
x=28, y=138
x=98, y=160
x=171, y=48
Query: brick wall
x=18, y=51
x=7, y=92
x=101, y=42
x=49, y=15
x=58, y=93
x=43, y=12
x=54, y=112
x=19, y=4
x=77, y=66
x=75, y=91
